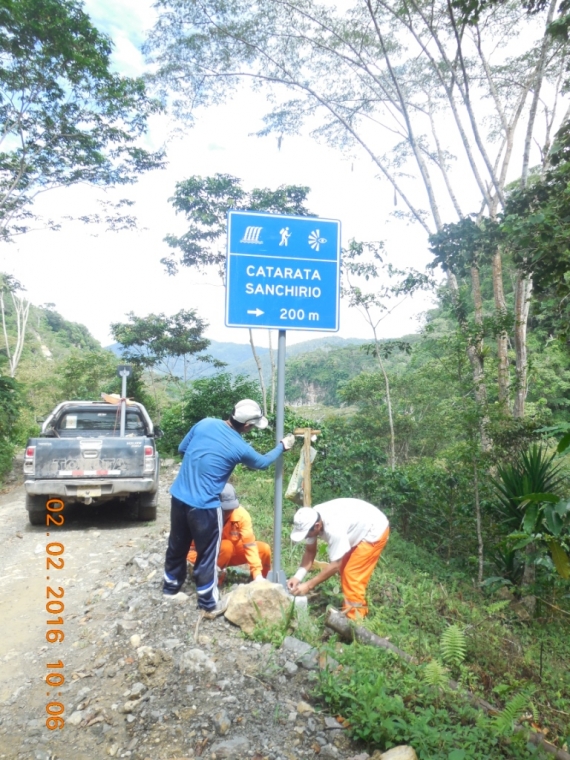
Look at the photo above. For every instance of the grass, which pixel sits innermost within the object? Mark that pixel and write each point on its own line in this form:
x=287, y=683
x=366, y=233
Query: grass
x=414, y=596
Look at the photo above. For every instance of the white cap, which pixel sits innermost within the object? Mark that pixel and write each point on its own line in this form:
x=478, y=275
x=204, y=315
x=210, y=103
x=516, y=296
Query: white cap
x=303, y=521
x=229, y=498
x=249, y=412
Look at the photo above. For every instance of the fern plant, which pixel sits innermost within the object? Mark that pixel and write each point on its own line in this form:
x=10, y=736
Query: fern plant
x=504, y=722
x=435, y=674
x=495, y=607
x=453, y=645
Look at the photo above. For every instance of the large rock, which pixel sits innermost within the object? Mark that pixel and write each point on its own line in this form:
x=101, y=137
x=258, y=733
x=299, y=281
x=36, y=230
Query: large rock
x=252, y=602
x=307, y=656
x=400, y=753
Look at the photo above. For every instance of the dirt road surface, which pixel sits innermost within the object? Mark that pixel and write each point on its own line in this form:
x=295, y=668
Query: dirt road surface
x=136, y=682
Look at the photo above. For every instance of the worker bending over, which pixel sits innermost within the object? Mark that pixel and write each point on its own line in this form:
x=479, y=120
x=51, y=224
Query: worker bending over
x=356, y=533
x=238, y=545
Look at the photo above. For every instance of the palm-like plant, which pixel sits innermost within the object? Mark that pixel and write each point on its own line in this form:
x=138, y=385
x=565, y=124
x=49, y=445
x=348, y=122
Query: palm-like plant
x=529, y=491
x=532, y=474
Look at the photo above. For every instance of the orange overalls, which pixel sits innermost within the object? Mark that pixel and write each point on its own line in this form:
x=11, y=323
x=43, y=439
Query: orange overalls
x=355, y=570
x=238, y=545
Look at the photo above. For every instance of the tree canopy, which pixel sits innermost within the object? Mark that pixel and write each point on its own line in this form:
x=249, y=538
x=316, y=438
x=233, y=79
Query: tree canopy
x=205, y=201
x=159, y=341
x=67, y=117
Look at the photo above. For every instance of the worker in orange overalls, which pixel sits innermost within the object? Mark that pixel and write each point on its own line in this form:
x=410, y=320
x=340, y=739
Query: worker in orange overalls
x=238, y=545
x=356, y=533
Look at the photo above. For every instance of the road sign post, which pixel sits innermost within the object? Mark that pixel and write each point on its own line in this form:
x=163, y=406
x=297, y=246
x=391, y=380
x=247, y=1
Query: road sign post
x=283, y=272
x=276, y=574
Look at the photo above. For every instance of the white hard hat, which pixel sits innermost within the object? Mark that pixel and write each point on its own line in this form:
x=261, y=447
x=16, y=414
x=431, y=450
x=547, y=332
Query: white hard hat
x=249, y=412
x=229, y=498
x=303, y=521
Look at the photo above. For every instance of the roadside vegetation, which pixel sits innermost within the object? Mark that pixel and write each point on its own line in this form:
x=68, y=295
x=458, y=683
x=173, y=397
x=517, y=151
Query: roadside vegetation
x=460, y=433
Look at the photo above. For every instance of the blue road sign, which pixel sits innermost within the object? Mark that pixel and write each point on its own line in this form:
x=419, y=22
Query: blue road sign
x=283, y=272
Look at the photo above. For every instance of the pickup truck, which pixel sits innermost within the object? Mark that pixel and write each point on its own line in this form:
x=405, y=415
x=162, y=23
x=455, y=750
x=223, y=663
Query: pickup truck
x=80, y=456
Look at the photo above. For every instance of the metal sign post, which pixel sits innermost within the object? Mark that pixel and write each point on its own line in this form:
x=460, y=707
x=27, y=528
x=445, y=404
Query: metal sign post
x=124, y=371
x=282, y=272
x=276, y=574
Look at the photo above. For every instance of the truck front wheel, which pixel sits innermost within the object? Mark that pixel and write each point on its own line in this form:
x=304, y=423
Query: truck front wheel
x=36, y=506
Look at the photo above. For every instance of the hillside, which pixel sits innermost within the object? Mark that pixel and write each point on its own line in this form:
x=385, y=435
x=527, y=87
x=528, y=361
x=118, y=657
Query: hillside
x=239, y=359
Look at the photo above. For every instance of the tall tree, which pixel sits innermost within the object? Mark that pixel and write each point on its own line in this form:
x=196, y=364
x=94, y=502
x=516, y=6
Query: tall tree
x=66, y=117
x=161, y=341
x=14, y=339
x=205, y=201
x=386, y=79
x=364, y=262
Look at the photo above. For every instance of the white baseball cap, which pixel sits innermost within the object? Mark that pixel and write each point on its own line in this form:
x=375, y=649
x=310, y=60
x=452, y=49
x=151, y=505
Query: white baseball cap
x=229, y=498
x=249, y=412
x=303, y=521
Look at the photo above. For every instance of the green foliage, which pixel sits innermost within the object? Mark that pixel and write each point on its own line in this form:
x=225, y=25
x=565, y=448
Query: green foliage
x=319, y=375
x=505, y=721
x=533, y=472
x=508, y=563
x=453, y=646
x=535, y=226
x=68, y=333
x=386, y=703
x=273, y=633
x=207, y=397
x=10, y=405
x=68, y=117
x=159, y=341
x=414, y=596
x=205, y=201
x=435, y=674
x=84, y=375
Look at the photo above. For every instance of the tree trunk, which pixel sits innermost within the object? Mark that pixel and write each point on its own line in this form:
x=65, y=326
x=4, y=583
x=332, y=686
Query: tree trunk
x=522, y=304
x=540, y=69
x=478, y=521
x=476, y=359
x=346, y=628
x=502, y=338
x=21, y=313
x=260, y=372
x=392, y=460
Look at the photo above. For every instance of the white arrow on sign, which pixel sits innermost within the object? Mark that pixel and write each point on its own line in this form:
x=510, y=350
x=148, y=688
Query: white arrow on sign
x=257, y=312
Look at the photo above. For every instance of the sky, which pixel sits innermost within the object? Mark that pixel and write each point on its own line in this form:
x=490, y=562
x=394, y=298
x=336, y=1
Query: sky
x=96, y=277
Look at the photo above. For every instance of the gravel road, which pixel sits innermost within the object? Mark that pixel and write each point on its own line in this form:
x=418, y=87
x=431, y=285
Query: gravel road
x=137, y=684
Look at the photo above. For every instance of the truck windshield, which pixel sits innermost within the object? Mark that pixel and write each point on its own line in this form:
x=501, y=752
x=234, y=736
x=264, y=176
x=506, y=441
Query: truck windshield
x=100, y=422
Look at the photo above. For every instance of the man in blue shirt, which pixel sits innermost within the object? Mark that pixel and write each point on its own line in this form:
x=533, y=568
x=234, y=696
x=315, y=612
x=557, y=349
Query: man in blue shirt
x=211, y=450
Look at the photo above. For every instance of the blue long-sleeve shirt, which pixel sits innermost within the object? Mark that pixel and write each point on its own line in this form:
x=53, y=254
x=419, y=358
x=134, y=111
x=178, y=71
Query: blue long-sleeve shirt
x=211, y=450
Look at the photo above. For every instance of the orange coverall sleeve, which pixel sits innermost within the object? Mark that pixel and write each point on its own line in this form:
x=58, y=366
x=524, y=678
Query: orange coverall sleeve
x=247, y=537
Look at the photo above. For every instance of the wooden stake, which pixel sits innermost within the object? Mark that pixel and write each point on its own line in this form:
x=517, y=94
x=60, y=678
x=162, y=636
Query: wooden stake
x=307, y=434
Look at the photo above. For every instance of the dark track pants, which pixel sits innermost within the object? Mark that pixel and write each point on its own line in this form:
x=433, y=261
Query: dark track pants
x=204, y=527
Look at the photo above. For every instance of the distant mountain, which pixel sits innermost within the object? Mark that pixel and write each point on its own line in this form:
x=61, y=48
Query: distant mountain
x=239, y=358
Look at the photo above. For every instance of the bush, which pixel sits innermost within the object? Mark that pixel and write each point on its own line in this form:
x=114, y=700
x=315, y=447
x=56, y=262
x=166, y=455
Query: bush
x=208, y=397
x=10, y=405
x=385, y=702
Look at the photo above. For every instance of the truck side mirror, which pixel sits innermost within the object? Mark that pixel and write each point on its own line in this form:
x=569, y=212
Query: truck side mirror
x=158, y=433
